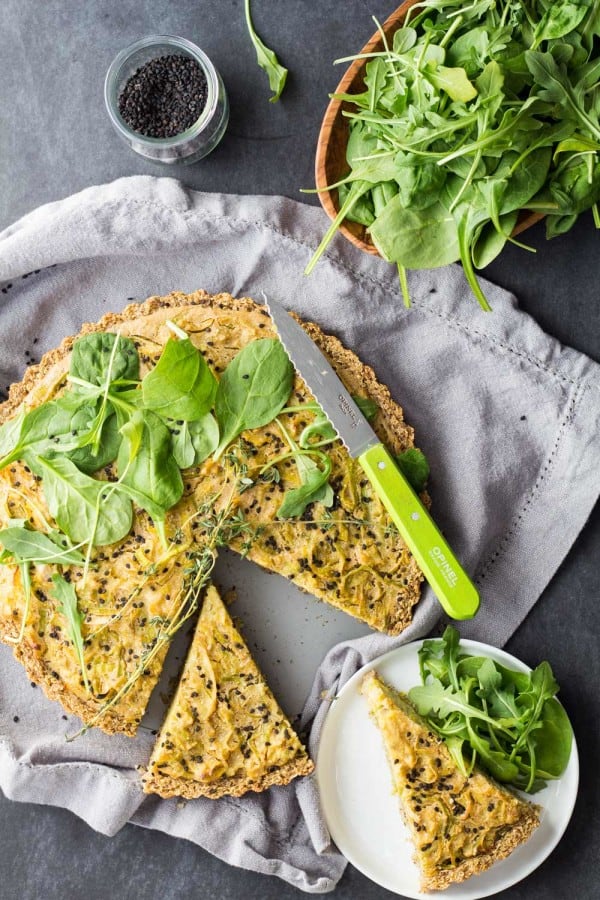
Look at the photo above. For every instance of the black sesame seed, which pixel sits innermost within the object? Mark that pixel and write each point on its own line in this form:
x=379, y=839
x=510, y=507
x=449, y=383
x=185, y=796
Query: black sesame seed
x=164, y=97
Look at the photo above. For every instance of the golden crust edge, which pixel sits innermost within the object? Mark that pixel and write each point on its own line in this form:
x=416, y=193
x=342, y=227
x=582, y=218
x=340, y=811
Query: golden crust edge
x=520, y=832
x=166, y=787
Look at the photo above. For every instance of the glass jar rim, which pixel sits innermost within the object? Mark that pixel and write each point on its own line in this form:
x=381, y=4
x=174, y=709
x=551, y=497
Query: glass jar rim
x=171, y=40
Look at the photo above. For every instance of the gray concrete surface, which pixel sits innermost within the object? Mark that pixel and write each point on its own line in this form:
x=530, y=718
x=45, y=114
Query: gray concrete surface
x=55, y=139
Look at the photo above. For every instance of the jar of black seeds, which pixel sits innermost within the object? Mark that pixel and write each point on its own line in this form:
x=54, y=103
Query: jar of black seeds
x=166, y=99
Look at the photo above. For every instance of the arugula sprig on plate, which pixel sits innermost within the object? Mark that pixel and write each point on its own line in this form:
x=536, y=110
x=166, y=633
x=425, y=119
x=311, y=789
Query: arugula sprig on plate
x=507, y=721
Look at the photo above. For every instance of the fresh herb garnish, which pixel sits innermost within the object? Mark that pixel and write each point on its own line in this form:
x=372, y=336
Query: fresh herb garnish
x=414, y=466
x=65, y=593
x=266, y=58
x=193, y=442
x=253, y=389
x=148, y=471
x=181, y=385
x=473, y=113
x=507, y=721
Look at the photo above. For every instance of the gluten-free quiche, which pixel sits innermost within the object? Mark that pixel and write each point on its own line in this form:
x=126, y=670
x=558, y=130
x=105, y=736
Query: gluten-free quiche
x=132, y=595
x=460, y=825
x=225, y=732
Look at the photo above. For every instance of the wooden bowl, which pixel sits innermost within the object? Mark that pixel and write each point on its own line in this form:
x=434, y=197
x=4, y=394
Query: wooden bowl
x=330, y=163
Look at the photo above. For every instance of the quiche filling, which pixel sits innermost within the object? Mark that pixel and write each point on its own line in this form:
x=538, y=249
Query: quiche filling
x=224, y=732
x=459, y=824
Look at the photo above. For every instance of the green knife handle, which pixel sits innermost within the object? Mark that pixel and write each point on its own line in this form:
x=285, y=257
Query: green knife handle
x=452, y=586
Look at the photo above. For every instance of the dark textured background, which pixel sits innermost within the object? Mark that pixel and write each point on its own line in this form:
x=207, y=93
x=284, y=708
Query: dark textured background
x=55, y=138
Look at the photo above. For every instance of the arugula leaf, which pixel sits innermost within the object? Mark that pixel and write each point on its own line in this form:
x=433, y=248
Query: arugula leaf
x=181, y=385
x=559, y=19
x=25, y=545
x=414, y=466
x=510, y=721
x=65, y=593
x=266, y=59
x=86, y=509
x=253, y=389
x=314, y=487
x=193, y=442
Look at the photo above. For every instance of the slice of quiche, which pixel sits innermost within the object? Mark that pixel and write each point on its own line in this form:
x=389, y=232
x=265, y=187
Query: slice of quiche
x=225, y=732
x=130, y=597
x=460, y=826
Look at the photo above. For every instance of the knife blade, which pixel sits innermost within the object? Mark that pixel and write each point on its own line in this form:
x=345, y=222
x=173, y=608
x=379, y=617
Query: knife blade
x=452, y=586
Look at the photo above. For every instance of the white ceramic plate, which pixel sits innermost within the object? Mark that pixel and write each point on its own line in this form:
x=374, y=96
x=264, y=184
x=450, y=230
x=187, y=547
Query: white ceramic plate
x=362, y=813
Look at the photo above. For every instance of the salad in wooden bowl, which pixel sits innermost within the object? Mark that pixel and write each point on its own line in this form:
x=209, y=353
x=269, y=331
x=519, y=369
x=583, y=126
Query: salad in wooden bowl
x=458, y=126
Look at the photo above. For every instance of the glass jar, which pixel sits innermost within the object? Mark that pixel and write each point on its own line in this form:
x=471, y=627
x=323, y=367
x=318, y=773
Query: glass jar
x=201, y=137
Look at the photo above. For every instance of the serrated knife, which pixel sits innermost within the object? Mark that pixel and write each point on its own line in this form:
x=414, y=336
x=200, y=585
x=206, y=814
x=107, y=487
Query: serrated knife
x=452, y=586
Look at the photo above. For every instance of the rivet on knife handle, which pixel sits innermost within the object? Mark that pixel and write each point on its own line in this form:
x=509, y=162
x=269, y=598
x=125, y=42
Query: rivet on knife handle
x=452, y=586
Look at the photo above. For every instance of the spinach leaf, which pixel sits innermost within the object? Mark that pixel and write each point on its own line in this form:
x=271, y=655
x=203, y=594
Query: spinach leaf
x=415, y=468
x=94, y=355
x=417, y=239
x=253, y=389
x=147, y=469
x=85, y=458
x=193, y=442
x=28, y=433
x=65, y=593
x=86, y=509
x=266, y=58
x=181, y=385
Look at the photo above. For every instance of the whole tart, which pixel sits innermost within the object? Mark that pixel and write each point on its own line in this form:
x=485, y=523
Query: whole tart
x=349, y=555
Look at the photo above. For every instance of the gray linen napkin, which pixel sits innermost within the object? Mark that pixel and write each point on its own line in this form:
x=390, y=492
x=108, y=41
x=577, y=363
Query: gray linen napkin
x=508, y=418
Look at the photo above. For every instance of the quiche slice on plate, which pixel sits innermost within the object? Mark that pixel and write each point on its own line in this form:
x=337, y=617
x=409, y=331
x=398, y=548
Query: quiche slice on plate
x=224, y=732
x=459, y=825
x=129, y=596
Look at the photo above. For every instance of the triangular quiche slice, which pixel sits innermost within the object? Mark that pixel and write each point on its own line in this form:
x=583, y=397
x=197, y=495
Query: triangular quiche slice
x=459, y=825
x=224, y=733
x=349, y=554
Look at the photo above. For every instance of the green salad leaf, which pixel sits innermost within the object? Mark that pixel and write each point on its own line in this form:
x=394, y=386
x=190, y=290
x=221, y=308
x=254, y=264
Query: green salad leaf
x=507, y=721
x=266, y=58
x=65, y=593
x=148, y=471
x=86, y=509
x=253, y=389
x=414, y=466
x=464, y=121
x=193, y=442
x=181, y=385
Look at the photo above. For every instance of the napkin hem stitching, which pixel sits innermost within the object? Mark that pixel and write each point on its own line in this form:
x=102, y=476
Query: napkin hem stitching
x=548, y=464
x=356, y=273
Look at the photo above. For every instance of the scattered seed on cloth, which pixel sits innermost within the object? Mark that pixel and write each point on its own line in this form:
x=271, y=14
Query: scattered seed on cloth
x=164, y=97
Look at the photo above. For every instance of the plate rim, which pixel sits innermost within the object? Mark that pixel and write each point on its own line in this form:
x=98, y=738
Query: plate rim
x=410, y=648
